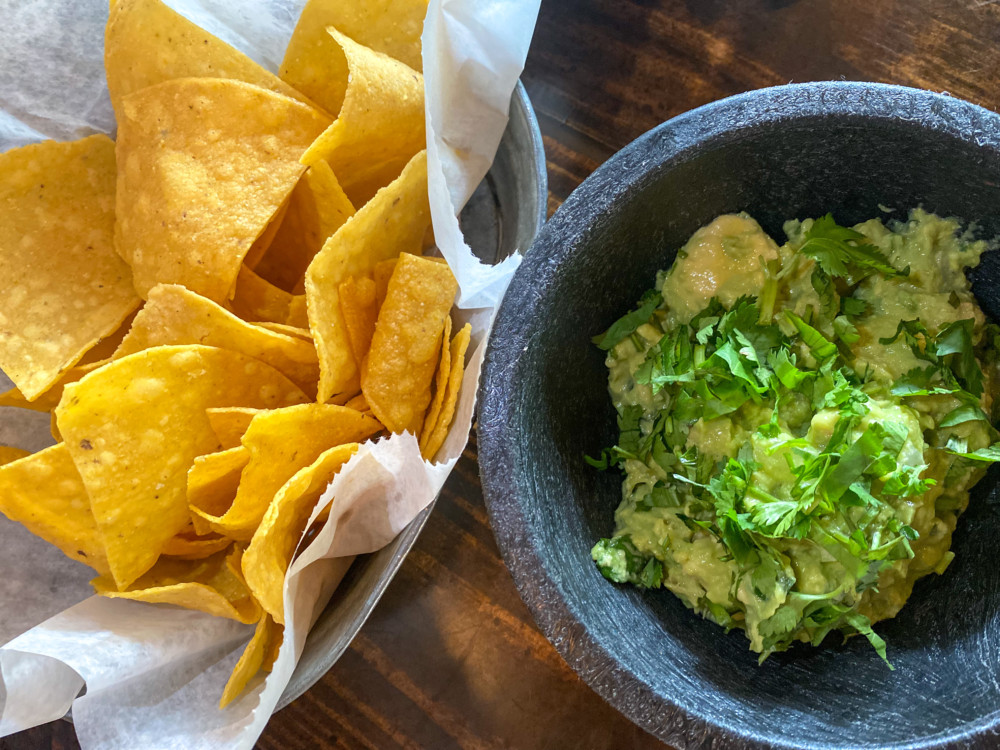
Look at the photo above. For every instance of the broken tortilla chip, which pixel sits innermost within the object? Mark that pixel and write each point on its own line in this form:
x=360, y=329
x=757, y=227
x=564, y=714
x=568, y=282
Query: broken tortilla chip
x=204, y=165
x=391, y=223
x=404, y=352
x=45, y=494
x=174, y=315
x=270, y=551
x=64, y=287
x=134, y=428
x=257, y=300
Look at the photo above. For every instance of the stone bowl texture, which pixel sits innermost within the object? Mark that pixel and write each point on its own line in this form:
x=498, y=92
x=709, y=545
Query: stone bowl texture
x=788, y=152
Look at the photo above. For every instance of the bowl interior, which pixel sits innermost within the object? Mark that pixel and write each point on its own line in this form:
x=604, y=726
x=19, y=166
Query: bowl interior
x=790, y=152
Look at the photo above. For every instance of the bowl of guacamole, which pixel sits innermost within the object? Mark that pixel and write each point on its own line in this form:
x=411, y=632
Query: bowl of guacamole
x=737, y=423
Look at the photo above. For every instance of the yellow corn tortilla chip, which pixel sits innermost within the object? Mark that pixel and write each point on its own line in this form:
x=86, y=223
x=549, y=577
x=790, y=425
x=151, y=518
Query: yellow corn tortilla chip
x=9, y=454
x=298, y=312
x=250, y=662
x=317, y=208
x=458, y=348
x=64, y=287
x=287, y=330
x=229, y=423
x=281, y=442
x=211, y=484
x=273, y=647
x=50, y=399
x=45, y=494
x=146, y=43
x=190, y=546
x=258, y=300
x=134, y=428
x=263, y=242
x=214, y=585
x=174, y=315
x=382, y=273
x=440, y=385
x=204, y=165
x=404, y=352
x=392, y=27
x=270, y=551
x=380, y=120
x=391, y=223
x=358, y=403
x=357, y=307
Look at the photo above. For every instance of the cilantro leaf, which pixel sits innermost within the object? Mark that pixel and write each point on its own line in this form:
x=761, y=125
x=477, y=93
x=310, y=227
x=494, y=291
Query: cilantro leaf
x=843, y=252
x=821, y=347
x=990, y=454
x=627, y=324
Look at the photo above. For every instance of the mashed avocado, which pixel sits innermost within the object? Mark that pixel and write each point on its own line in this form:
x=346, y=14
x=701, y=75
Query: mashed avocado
x=800, y=425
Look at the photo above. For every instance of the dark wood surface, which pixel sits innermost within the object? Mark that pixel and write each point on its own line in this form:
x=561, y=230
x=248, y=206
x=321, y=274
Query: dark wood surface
x=451, y=657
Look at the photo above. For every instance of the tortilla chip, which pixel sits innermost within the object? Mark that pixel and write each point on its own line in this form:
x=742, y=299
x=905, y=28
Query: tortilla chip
x=280, y=443
x=263, y=243
x=174, y=315
x=392, y=27
x=212, y=481
x=190, y=546
x=45, y=494
x=440, y=386
x=404, y=351
x=273, y=647
x=230, y=423
x=214, y=585
x=251, y=660
x=440, y=432
x=134, y=428
x=380, y=101
x=9, y=454
x=317, y=208
x=64, y=287
x=357, y=307
x=258, y=300
x=391, y=223
x=270, y=552
x=146, y=43
x=287, y=330
x=50, y=399
x=382, y=273
x=204, y=166
x=298, y=312
x=358, y=403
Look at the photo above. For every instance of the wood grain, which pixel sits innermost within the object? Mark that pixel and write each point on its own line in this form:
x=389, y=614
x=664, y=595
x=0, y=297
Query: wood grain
x=451, y=658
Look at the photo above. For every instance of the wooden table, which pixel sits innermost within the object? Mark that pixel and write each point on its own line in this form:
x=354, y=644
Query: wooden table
x=451, y=657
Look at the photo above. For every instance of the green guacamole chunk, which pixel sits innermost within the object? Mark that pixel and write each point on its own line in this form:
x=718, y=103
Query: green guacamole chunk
x=800, y=425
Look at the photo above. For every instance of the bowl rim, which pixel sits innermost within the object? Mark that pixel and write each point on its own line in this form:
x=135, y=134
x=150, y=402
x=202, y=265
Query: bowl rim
x=667, y=143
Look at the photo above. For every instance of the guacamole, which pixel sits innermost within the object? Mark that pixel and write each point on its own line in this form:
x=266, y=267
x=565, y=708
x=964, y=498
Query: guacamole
x=800, y=424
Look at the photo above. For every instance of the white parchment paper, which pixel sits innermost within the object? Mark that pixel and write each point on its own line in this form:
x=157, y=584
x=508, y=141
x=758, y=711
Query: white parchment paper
x=152, y=674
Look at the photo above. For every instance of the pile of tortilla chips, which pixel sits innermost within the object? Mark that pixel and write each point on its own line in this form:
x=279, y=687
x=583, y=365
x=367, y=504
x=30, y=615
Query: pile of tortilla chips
x=219, y=307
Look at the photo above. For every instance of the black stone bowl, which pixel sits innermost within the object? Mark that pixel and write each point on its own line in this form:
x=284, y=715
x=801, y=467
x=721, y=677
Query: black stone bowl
x=792, y=151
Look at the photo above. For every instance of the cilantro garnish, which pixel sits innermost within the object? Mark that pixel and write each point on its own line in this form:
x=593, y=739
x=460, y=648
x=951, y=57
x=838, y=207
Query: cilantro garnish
x=845, y=253
x=626, y=325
